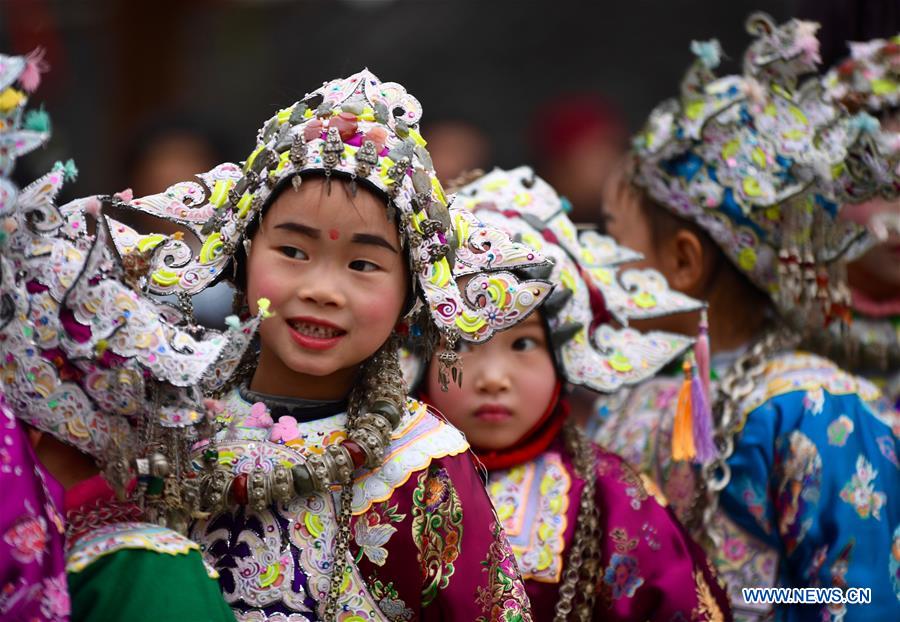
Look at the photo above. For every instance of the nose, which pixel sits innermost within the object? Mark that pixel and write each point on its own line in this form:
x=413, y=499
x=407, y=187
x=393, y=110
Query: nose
x=492, y=380
x=322, y=290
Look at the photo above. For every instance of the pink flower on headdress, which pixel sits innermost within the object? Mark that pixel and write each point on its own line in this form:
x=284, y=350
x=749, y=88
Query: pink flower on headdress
x=126, y=195
x=285, y=430
x=259, y=417
x=807, y=41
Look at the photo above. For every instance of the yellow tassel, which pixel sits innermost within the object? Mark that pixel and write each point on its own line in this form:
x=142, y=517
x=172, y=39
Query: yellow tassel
x=683, y=426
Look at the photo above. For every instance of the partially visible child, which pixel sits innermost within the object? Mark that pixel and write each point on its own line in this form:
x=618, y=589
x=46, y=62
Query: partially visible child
x=333, y=497
x=867, y=80
x=105, y=384
x=32, y=542
x=590, y=535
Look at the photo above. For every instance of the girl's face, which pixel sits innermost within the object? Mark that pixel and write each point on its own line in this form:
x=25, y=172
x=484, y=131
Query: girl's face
x=336, y=277
x=507, y=386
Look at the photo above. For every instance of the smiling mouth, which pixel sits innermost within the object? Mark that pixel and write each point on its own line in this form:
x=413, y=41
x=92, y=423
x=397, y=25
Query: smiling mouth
x=316, y=331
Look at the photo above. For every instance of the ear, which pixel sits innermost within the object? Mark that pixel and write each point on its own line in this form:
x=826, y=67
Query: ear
x=688, y=268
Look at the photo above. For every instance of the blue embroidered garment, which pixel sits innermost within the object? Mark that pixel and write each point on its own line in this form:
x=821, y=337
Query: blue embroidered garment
x=815, y=475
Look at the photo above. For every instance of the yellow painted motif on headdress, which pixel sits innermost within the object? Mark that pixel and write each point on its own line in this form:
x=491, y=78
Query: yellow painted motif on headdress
x=759, y=157
x=270, y=575
x=150, y=241
x=498, y=292
x=469, y=323
x=417, y=138
x=751, y=187
x=620, y=363
x=522, y=199
x=283, y=115
x=220, y=192
x=212, y=248
x=603, y=275
x=252, y=157
x=441, y=273
x=496, y=184
x=165, y=277
x=567, y=280
x=730, y=148
x=461, y=226
x=798, y=115
x=313, y=524
x=438, y=190
x=747, y=258
x=77, y=428
x=773, y=213
x=367, y=114
x=645, y=300
x=244, y=204
x=694, y=109
x=884, y=86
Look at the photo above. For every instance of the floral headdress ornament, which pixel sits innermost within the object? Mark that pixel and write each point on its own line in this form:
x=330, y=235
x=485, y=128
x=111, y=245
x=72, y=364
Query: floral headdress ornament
x=92, y=361
x=747, y=160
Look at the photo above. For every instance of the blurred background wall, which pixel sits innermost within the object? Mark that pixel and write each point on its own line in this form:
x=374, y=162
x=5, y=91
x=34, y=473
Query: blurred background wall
x=140, y=91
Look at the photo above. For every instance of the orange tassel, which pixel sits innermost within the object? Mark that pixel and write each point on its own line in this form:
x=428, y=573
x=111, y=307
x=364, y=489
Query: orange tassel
x=683, y=426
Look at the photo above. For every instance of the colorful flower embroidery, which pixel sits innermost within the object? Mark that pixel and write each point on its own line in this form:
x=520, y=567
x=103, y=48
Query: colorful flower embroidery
x=623, y=576
x=55, y=602
x=814, y=401
x=27, y=539
x=860, y=491
x=840, y=430
x=436, y=529
x=372, y=531
x=634, y=486
x=504, y=599
x=389, y=601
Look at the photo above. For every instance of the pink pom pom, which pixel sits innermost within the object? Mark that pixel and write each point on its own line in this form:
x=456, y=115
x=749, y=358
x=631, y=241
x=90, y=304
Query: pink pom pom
x=701, y=418
x=34, y=67
x=92, y=206
x=126, y=195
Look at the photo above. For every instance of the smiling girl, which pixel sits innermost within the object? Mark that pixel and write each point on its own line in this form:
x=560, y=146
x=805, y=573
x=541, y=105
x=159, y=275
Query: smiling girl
x=332, y=496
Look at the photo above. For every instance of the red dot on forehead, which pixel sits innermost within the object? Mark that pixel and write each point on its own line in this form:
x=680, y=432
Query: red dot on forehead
x=333, y=234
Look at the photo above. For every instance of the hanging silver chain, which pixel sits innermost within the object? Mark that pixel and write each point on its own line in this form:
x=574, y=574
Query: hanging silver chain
x=583, y=562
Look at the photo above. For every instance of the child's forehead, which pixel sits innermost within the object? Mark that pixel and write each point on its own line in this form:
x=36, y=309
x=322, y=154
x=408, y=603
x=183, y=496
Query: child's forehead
x=314, y=203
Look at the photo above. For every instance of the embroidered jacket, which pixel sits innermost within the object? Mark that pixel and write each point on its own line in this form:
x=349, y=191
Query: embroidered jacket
x=813, y=497
x=425, y=542
x=650, y=568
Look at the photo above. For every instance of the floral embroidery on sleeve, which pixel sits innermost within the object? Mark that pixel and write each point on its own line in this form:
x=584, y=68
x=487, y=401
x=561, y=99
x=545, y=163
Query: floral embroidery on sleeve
x=860, y=491
x=436, y=529
x=798, y=489
x=504, y=599
x=622, y=574
x=707, y=607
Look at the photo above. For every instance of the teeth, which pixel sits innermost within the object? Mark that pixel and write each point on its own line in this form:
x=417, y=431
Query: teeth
x=315, y=330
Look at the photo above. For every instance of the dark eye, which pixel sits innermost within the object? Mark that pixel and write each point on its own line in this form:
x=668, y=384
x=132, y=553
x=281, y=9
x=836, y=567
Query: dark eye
x=293, y=253
x=524, y=344
x=361, y=265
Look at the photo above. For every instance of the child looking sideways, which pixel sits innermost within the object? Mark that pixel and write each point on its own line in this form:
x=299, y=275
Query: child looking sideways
x=333, y=497
x=589, y=535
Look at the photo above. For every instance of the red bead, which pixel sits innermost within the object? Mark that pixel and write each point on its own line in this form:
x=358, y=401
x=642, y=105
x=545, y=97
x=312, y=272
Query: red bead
x=239, y=490
x=357, y=455
x=377, y=135
x=346, y=125
x=312, y=130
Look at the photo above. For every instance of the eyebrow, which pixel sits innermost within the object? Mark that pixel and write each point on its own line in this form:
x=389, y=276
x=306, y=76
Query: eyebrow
x=374, y=240
x=296, y=227
x=358, y=238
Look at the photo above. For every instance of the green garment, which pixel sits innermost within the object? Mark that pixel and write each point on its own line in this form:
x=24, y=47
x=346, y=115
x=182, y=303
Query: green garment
x=135, y=585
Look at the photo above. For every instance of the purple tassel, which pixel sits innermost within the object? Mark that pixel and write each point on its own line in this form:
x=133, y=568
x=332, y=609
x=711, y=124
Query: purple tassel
x=701, y=414
x=701, y=353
